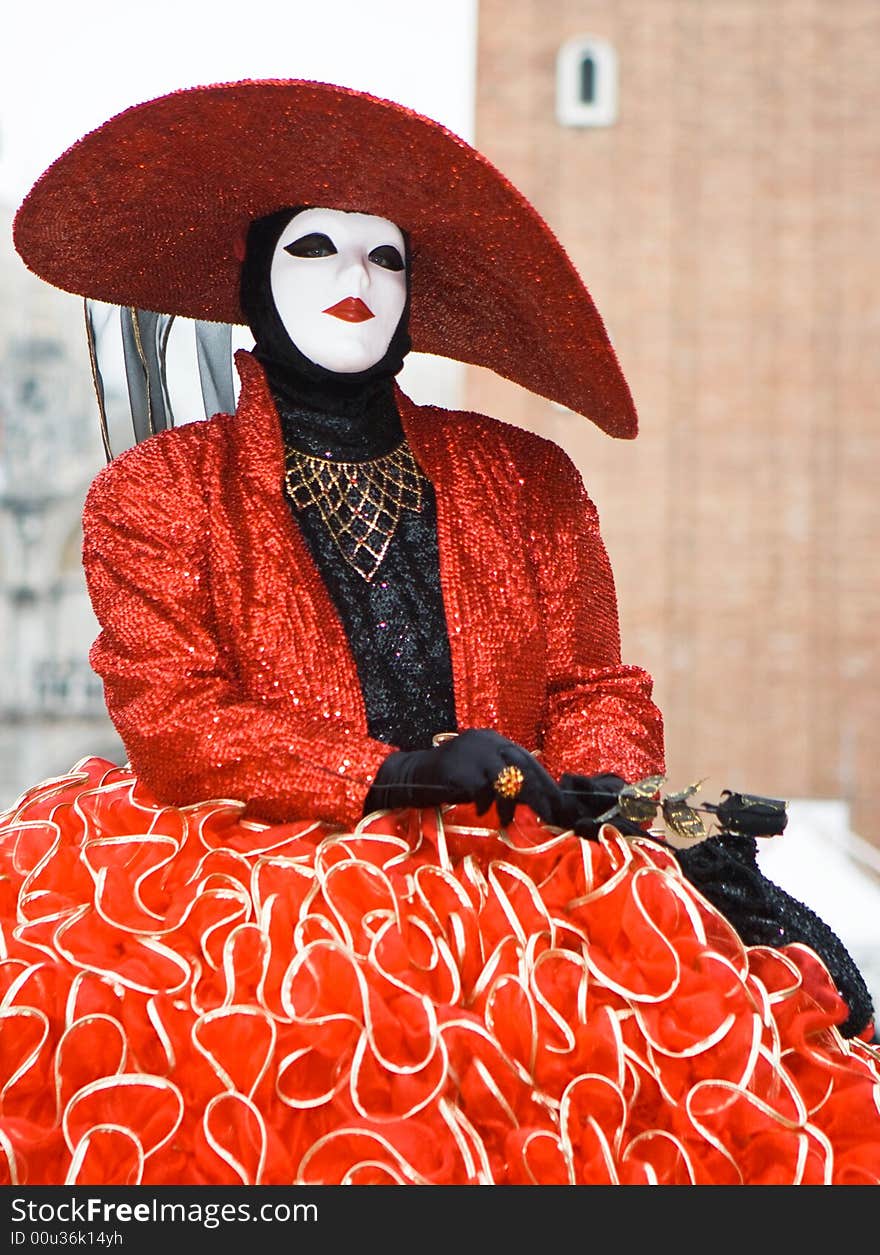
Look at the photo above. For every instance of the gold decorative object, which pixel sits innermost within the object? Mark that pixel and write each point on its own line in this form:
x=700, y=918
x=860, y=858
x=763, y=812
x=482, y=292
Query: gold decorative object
x=360, y=502
x=508, y=782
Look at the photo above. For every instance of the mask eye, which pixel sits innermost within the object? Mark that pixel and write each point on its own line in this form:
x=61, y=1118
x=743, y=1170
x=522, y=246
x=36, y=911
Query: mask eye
x=315, y=244
x=386, y=256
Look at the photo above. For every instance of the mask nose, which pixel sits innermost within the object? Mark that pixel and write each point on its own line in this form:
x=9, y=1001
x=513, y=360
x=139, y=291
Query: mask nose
x=357, y=275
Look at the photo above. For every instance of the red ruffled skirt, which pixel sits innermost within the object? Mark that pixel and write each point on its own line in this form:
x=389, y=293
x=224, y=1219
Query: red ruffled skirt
x=192, y=998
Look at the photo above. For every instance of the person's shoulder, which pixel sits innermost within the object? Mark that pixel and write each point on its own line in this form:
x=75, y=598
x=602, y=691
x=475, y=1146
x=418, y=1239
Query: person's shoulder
x=170, y=457
x=480, y=434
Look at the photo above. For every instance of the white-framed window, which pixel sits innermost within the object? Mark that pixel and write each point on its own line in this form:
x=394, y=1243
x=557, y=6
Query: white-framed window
x=586, y=82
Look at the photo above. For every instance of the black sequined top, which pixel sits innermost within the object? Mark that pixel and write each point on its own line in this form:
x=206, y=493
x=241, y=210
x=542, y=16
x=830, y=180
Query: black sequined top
x=396, y=623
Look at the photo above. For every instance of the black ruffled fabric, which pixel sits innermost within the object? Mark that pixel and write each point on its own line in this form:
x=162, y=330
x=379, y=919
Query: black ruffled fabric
x=725, y=870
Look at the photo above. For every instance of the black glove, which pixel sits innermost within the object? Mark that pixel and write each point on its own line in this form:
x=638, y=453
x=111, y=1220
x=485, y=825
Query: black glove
x=585, y=798
x=464, y=769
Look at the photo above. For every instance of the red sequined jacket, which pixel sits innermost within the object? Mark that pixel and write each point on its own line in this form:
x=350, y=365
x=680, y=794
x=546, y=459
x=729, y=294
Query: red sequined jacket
x=226, y=668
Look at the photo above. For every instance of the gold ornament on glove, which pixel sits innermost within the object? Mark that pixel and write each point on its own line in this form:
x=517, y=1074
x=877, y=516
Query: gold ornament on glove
x=508, y=782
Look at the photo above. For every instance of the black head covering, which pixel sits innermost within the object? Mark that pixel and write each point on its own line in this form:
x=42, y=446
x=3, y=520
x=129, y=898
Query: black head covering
x=322, y=411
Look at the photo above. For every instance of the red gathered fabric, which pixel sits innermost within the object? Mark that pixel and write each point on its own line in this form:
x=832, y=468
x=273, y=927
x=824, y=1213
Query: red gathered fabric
x=191, y=997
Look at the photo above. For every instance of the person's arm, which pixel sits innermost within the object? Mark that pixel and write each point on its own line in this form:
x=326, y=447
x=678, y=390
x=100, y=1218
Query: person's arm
x=599, y=715
x=188, y=730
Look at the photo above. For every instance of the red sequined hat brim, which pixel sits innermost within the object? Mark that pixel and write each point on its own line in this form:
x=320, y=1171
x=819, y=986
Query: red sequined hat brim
x=150, y=209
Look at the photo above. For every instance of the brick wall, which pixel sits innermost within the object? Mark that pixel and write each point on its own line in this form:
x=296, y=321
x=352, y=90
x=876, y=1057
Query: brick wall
x=727, y=227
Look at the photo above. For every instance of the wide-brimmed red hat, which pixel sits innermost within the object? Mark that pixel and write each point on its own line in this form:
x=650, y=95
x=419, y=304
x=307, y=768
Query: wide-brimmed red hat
x=150, y=211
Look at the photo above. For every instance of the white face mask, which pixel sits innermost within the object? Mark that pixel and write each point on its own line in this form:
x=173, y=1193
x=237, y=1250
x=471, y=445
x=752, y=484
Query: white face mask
x=339, y=285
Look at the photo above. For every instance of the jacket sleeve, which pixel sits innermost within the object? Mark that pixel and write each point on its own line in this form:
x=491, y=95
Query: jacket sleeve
x=190, y=732
x=599, y=713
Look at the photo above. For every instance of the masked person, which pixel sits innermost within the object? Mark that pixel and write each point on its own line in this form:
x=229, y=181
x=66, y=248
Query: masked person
x=364, y=658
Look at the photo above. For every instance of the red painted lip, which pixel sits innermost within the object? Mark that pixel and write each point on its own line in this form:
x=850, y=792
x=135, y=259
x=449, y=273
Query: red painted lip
x=352, y=309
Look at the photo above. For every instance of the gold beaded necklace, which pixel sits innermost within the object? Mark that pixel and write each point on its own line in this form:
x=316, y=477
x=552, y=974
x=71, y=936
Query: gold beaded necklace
x=359, y=502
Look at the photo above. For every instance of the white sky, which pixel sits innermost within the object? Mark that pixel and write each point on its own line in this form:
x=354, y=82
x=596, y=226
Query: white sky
x=67, y=67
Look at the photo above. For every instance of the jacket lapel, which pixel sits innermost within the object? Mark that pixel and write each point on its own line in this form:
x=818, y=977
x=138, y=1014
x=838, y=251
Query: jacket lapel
x=293, y=644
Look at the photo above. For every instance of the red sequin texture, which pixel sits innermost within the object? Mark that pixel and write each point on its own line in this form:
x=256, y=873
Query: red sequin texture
x=490, y=281
x=226, y=668
x=191, y=998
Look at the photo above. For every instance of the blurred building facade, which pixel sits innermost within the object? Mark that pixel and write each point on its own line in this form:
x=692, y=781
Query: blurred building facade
x=51, y=702
x=712, y=167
